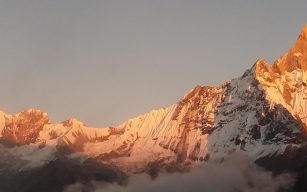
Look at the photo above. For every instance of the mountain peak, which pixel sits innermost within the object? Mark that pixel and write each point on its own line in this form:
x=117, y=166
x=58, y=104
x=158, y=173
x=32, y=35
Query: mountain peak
x=301, y=43
x=35, y=111
x=33, y=114
x=72, y=122
x=24, y=127
x=296, y=58
x=303, y=34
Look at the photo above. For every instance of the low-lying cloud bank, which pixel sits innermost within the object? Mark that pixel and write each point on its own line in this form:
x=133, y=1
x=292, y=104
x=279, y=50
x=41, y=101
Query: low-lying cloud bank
x=235, y=174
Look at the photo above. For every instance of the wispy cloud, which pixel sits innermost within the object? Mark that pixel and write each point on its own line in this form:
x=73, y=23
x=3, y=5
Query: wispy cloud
x=237, y=173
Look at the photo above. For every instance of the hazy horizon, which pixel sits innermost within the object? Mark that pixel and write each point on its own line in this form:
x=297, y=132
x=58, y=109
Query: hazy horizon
x=103, y=62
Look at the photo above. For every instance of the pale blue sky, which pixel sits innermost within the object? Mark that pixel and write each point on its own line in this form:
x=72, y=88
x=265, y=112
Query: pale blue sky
x=106, y=61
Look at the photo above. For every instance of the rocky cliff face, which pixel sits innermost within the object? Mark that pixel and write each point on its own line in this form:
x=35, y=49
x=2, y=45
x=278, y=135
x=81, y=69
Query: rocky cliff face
x=23, y=128
x=262, y=114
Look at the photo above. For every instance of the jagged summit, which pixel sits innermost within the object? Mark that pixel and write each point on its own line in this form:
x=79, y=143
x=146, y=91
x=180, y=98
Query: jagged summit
x=303, y=34
x=72, y=122
x=285, y=82
x=296, y=58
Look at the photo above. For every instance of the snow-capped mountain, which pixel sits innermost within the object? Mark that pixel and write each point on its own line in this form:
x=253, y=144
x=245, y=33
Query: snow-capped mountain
x=263, y=113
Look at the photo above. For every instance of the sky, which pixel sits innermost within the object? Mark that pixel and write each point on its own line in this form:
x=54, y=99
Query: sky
x=104, y=62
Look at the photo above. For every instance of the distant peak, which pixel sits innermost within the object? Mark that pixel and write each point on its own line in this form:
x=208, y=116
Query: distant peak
x=260, y=62
x=35, y=112
x=303, y=33
x=260, y=67
x=71, y=122
x=301, y=42
x=296, y=57
x=192, y=92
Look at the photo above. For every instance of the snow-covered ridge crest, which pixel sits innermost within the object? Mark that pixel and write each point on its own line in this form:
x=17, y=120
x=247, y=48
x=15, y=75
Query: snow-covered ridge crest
x=260, y=113
x=285, y=82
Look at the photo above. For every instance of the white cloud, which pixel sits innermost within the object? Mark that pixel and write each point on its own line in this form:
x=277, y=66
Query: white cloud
x=237, y=173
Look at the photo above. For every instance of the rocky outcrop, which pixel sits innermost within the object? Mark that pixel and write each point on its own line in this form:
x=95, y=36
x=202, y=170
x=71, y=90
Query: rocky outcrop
x=24, y=127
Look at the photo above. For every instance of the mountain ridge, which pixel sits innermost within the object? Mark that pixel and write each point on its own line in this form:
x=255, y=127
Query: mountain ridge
x=261, y=113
